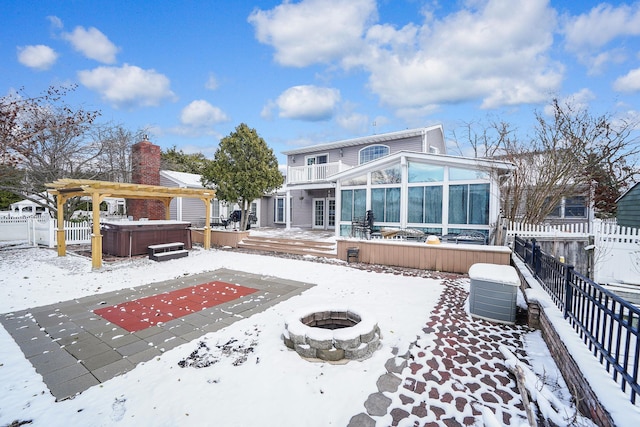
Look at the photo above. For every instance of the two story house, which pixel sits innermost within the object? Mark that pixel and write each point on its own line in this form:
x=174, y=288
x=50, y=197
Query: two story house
x=405, y=178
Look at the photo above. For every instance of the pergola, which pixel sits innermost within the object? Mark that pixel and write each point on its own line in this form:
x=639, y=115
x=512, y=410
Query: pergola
x=64, y=189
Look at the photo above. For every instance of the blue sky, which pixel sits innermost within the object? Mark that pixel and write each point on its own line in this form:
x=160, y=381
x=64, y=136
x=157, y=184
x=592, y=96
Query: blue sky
x=315, y=71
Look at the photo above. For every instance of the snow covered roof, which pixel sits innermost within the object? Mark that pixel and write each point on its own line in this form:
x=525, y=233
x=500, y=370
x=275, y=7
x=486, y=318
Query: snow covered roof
x=183, y=179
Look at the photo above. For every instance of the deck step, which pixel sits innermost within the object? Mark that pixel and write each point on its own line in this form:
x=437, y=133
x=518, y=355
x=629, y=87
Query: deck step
x=290, y=246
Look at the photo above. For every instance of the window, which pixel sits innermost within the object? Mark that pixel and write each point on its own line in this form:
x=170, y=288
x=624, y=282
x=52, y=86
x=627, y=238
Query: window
x=425, y=204
x=215, y=208
x=385, y=204
x=469, y=204
x=456, y=174
x=373, y=152
x=354, y=204
x=390, y=175
x=278, y=209
x=358, y=180
x=575, y=207
x=421, y=172
x=319, y=159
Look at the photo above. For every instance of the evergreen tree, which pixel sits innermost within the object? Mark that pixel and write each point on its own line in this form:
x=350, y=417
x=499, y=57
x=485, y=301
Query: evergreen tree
x=243, y=169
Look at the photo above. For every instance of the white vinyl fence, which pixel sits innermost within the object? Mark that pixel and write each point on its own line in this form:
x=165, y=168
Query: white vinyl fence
x=617, y=255
x=616, y=250
x=42, y=231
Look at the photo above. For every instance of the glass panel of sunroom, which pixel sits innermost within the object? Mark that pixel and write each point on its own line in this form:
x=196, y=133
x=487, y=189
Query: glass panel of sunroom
x=346, y=210
x=416, y=204
x=421, y=172
x=393, y=205
x=479, y=204
x=457, y=174
x=359, y=203
x=458, y=204
x=433, y=205
x=390, y=175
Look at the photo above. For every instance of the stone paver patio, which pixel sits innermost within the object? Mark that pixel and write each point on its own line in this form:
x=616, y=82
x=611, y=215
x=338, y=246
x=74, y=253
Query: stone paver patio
x=74, y=348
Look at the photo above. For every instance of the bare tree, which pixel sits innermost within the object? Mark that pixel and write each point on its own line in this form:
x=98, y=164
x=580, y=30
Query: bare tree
x=571, y=154
x=43, y=140
x=114, y=158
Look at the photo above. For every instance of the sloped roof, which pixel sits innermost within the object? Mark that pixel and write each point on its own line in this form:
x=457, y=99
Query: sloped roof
x=183, y=179
x=436, y=159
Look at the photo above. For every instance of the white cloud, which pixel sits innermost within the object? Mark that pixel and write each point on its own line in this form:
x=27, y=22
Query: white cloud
x=483, y=52
x=588, y=34
x=488, y=53
x=93, y=44
x=212, y=82
x=602, y=24
x=313, y=31
x=629, y=82
x=578, y=101
x=39, y=56
x=355, y=123
x=308, y=102
x=56, y=23
x=200, y=113
x=127, y=86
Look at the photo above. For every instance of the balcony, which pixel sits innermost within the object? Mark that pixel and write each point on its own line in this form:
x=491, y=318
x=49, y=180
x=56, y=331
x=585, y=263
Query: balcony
x=314, y=173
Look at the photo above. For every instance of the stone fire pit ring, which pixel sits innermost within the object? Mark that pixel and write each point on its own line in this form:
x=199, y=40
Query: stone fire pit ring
x=332, y=334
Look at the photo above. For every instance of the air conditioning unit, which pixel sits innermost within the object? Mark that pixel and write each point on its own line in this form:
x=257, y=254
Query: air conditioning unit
x=494, y=292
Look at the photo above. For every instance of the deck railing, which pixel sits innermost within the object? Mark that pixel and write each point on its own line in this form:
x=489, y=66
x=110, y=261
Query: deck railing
x=313, y=173
x=607, y=324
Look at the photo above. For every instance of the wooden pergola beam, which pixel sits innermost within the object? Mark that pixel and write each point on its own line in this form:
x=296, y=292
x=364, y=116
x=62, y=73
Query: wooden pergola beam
x=66, y=188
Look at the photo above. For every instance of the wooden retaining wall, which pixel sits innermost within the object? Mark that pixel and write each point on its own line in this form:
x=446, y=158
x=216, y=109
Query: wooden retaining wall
x=446, y=257
x=219, y=237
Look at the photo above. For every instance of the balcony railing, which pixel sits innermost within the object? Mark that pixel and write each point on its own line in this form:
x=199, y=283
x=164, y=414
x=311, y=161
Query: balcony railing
x=314, y=173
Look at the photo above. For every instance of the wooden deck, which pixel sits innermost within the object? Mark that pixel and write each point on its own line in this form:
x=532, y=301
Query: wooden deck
x=445, y=257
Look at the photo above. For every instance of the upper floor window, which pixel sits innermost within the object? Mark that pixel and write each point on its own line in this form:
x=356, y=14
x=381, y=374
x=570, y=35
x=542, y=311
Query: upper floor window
x=373, y=152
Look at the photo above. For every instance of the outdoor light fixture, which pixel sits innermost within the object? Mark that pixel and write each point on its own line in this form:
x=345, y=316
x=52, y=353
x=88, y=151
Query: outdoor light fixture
x=341, y=152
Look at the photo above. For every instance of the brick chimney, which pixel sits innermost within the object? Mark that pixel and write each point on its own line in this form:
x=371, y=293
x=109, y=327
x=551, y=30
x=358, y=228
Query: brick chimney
x=145, y=164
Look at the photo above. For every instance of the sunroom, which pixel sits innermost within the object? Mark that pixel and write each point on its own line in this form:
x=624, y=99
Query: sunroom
x=426, y=193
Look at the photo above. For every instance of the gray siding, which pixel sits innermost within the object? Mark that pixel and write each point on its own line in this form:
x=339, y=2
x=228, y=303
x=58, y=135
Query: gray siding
x=436, y=139
x=350, y=155
x=629, y=208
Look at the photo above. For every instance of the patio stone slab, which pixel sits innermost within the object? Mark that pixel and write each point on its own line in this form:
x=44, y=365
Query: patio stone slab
x=74, y=348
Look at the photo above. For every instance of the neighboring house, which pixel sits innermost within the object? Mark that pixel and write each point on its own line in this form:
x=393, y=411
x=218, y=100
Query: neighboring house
x=114, y=206
x=190, y=209
x=628, y=211
x=404, y=177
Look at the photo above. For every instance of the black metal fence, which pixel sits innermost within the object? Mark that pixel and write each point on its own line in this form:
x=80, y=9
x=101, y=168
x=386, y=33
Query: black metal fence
x=607, y=324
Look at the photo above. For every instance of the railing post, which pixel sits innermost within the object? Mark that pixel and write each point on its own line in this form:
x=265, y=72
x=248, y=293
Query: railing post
x=568, y=290
x=536, y=259
x=533, y=255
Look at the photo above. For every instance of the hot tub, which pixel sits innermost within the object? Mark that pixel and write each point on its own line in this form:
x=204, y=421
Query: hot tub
x=127, y=238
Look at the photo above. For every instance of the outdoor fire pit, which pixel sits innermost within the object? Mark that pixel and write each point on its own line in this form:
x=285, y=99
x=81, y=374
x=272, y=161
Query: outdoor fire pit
x=332, y=334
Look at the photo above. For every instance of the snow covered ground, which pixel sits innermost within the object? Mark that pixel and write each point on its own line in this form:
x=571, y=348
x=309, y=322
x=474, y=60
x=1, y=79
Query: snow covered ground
x=269, y=386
